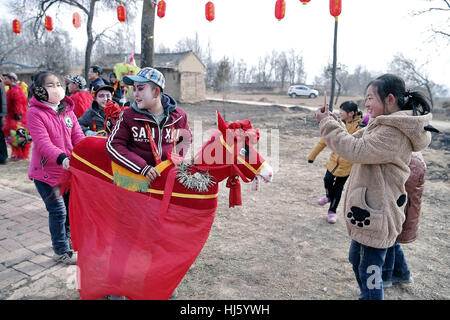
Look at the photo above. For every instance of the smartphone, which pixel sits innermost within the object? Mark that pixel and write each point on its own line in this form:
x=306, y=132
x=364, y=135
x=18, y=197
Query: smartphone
x=325, y=105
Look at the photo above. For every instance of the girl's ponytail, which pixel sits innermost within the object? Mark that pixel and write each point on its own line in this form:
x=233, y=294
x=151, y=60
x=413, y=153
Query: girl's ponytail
x=415, y=101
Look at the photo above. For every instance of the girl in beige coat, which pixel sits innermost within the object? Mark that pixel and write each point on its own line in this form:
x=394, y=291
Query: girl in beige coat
x=380, y=153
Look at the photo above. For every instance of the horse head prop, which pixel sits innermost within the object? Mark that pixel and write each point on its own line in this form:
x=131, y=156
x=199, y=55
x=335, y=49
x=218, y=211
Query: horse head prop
x=231, y=153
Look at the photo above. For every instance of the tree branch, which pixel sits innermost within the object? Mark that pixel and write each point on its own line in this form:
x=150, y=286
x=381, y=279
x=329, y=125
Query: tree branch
x=102, y=34
x=441, y=33
x=76, y=4
x=7, y=53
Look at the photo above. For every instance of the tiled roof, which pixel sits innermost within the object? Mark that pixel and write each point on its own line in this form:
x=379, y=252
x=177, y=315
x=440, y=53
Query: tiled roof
x=161, y=60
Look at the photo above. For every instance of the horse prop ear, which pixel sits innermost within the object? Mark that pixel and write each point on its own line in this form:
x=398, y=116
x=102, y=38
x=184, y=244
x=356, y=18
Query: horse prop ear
x=221, y=124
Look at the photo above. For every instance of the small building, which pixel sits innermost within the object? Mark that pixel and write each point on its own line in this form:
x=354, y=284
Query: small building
x=184, y=73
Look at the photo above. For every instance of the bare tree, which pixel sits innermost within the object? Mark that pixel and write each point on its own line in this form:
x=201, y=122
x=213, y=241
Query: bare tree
x=297, y=72
x=253, y=75
x=441, y=7
x=241, y=71
x=190, y=44
x=282, y=69
x=52, y=51
x=163, y=49
x=115, y=42
x=211, y=67
x=358, y=80
x=262, y=75
x=341, y=78
x=413, y=74
x=223, y=75
x=11, y=43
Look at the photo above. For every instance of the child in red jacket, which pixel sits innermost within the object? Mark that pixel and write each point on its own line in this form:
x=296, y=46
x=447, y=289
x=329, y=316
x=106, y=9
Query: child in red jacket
x=80, y=95
x=395, y=268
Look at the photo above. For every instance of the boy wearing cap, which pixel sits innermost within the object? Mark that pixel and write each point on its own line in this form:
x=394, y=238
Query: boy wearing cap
x=80, y=95
x=93, y=120
x=151, y=128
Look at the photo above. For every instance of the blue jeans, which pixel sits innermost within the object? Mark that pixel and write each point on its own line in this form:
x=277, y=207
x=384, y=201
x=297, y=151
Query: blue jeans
x=58, y=215
x=367, y=265
x=395, y=266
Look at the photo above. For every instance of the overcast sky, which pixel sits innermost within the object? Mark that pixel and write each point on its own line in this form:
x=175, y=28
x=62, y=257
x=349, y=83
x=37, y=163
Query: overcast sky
x=370, y=32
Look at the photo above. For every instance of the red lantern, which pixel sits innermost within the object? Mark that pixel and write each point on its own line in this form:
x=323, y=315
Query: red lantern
x=305, y=1
x=16, y=27
x=280, y=8
x=76, y=20
x=335, y=7
x=121, y=13
x=161, y=9
x=209, y=11
x=48, y=23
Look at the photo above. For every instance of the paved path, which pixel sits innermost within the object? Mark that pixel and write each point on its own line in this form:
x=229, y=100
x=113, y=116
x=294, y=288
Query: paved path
x=27, y=270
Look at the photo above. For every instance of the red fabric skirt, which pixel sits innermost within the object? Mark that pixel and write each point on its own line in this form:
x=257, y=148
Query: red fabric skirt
x=123, y=247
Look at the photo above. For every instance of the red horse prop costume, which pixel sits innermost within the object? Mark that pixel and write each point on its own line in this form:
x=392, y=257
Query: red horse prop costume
x=138, y=240
x=15, y=123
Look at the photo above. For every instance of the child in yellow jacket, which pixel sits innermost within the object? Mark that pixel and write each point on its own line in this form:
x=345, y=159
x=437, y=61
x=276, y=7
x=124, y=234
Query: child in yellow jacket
x=338, y=169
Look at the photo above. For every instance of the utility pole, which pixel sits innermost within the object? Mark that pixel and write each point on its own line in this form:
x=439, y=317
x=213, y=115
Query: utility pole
x=333, y=74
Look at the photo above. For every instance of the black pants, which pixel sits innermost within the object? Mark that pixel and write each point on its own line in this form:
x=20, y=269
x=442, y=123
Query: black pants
x=3, y=149
x=333, y=187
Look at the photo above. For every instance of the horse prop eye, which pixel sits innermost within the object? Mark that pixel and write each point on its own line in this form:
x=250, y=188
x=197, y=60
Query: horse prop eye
x=245, y=151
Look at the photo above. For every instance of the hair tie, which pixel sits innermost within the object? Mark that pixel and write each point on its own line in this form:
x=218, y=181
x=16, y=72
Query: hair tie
x=407, y=94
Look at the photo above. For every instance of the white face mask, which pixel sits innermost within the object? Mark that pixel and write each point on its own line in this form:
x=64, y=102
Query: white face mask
x=55, y=95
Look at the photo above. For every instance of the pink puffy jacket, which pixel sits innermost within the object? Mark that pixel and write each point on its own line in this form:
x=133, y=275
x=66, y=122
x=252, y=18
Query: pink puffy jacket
x=53, y=134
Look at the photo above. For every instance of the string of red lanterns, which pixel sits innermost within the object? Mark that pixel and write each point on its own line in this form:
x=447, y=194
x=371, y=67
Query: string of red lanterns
x=16, y=27
x=76, y=20
x=209, y=11
x=161, y=9
x=280, y=9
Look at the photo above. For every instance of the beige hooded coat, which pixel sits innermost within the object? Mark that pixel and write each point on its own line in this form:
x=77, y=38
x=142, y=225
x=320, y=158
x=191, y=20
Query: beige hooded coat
x=375, y=195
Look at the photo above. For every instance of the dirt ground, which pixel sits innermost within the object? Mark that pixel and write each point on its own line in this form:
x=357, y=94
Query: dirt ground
x=278, y=245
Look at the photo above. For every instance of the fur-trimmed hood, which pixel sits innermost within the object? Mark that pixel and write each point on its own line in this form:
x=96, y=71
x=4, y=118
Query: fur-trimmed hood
x=411, y=126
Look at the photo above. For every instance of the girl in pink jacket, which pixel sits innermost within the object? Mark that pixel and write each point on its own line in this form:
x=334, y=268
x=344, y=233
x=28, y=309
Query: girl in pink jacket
x=55, y=130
